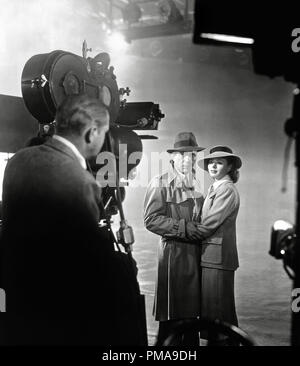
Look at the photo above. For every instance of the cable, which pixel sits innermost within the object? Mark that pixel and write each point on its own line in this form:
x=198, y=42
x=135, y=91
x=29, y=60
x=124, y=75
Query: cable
x=284, y=176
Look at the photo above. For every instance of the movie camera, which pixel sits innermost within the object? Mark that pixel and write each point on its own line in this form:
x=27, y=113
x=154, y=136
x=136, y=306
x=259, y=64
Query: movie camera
x=48, y=78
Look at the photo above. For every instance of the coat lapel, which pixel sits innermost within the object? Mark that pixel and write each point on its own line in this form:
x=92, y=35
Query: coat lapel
x=209, y=200
x=212, y=195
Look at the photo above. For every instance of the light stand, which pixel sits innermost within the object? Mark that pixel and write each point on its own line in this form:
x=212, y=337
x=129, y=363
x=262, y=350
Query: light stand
x=292, y=128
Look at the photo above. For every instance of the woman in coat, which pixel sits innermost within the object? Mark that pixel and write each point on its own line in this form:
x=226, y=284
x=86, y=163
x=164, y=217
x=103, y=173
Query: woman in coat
x=172, y=206
x=219, y=258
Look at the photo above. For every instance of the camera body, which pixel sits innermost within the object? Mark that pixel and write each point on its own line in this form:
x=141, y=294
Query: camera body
x=49, y=78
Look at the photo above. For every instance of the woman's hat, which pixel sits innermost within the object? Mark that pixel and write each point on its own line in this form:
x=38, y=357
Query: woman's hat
x=185, y=141
x=220, y=152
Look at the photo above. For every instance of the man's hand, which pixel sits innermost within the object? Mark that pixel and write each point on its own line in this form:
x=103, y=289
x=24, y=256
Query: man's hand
x=192, y=232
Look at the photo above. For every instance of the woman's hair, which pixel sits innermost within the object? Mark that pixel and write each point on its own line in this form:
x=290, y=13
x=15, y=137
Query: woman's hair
x=234, y=174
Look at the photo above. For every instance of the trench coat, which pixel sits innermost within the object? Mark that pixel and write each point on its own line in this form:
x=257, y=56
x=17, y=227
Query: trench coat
x=219, y=256
x=168, y=206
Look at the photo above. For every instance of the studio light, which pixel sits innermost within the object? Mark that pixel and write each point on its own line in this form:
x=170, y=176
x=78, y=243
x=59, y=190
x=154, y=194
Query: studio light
x=116, y=42
x=227, y=38
x=283, y=238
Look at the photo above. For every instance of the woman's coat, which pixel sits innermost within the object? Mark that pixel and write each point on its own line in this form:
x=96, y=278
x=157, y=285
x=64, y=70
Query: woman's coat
x=218, y=227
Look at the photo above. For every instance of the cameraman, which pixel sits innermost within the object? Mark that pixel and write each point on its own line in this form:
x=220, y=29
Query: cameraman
x=59, y=273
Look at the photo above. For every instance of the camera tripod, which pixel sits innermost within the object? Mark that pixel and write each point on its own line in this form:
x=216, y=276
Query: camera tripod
x=125, y=238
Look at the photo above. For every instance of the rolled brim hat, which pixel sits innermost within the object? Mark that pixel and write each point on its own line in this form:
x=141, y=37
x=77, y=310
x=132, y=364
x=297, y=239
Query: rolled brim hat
x=185, y=142
x=220, y=152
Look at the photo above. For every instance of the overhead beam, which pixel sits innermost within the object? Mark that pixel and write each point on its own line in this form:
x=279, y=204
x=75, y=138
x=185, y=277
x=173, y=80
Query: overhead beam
x=159, y=30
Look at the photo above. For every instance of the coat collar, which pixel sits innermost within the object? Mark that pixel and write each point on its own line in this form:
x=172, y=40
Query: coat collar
x=217, y=184
x=62, y=147
x=76, y=152
x=178, y=191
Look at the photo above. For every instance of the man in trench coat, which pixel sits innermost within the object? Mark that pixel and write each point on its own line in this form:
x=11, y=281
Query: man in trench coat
x=172, y=206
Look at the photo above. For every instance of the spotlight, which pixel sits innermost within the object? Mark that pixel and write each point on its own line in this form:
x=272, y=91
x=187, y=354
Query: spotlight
x=117, y=42
x=283, y=238
x=227, y=38
x=104, y=27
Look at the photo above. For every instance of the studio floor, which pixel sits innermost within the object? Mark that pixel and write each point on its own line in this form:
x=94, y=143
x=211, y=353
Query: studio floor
x=263, y=289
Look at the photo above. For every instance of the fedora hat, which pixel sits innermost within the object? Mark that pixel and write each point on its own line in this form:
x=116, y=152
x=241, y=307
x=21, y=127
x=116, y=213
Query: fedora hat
x=185, y=141
x=220, y=152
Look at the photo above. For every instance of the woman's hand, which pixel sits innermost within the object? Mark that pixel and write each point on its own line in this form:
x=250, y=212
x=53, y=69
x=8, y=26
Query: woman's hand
x=192, y=232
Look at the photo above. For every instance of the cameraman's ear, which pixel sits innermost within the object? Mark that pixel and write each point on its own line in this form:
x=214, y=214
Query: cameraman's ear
x=88, y=136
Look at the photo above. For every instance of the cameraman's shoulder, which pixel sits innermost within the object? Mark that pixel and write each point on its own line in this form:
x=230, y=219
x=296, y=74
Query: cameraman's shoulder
x=22, y=154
